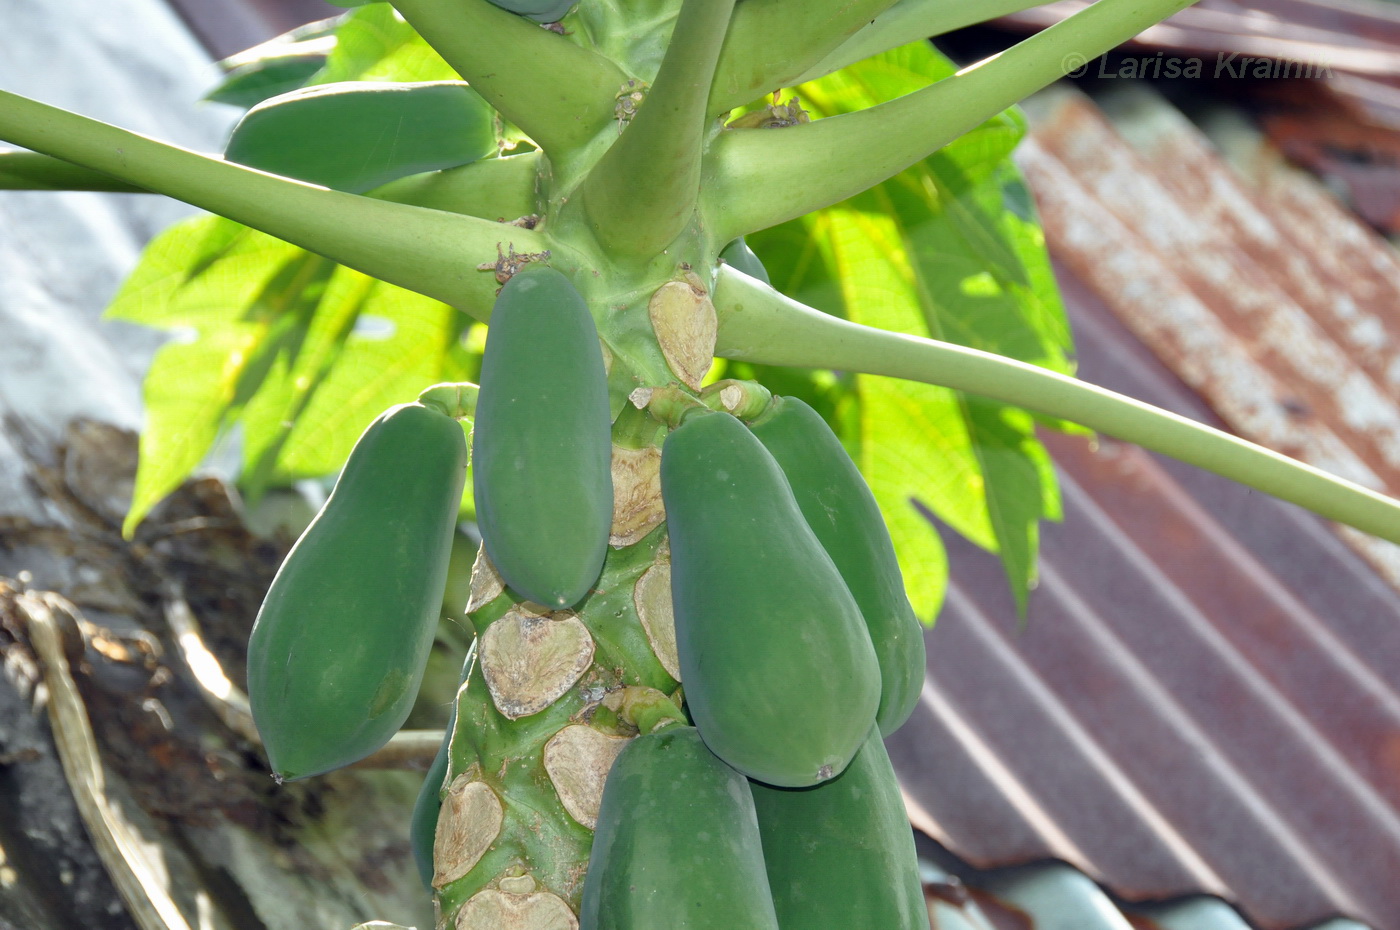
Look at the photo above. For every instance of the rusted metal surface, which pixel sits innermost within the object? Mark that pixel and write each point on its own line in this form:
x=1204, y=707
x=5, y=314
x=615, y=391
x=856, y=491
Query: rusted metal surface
x=1223, y=284
x=1203, y=700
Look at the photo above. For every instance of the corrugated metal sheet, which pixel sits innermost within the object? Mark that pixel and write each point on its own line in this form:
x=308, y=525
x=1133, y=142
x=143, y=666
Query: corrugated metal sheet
x=1224, y=286
x=1204, y=700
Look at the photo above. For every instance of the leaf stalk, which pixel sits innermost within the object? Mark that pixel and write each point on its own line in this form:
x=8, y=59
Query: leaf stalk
x=428, y=251
x=840, y=156
x=644, y=190
x=757, y=324
x=559, y=93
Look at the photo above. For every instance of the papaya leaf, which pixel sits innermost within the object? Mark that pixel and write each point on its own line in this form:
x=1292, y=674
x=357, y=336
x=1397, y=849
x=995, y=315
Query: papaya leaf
x=201, y=272
x=217, y=285
x=252, y=83
x=373, y=43
x=399, y=343
x=949, y=249
x=187, y=393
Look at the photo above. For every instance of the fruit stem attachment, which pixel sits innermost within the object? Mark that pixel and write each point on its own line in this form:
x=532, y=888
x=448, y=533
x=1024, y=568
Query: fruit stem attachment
x=646, y=709
x=743, y=399
x=759, y=325
x=670, y=404
x=644, y=190
x=875, y=144
x=635, y=428
x=454, y=399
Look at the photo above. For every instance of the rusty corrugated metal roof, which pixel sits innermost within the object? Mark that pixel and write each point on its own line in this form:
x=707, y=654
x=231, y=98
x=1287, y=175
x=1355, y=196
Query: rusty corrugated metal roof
x=1205, y=700
x=1295, y=352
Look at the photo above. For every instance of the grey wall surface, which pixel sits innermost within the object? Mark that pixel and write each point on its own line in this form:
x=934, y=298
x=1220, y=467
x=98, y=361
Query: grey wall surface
x=62, y=255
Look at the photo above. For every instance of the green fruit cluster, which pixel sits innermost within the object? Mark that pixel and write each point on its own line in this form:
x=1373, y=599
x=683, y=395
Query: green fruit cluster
x=772, y=805
x=797, y=649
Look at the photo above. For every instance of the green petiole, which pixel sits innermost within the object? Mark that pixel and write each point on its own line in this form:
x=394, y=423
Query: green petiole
x=559, y=93
x=841, y=156
x=758, y=324
x=428, y=251
x=643, y=192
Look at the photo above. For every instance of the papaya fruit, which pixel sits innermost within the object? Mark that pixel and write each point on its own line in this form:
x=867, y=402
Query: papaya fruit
x=737, y=254
x=780, y=677
x=356, y=135
x=840, y=509
x=542, y=446
x=841, y=854
x=541, y=11
x=677, y=843
x=339, y=645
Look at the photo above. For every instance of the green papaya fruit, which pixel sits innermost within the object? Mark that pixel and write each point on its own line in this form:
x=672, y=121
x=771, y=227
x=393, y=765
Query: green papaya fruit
x=677, y=844
x=542, y=446
x=422, y=825
x=738, y=255
x=541, y=11
x=842, y=512
x=779, y=673
x=841, y=854
x=357, y=135
x=338, y=648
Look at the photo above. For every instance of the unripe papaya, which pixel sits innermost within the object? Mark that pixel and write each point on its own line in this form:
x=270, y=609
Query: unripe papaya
x=840, y=509
x=542, y=445
x=738, y=255
x=541, y=11
x=841, y=854
x=677, y=844
x=357, y=135
x=779, y=673
x=339, y=646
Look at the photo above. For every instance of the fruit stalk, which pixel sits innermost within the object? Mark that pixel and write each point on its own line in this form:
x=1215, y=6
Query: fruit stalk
x=644, y=190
